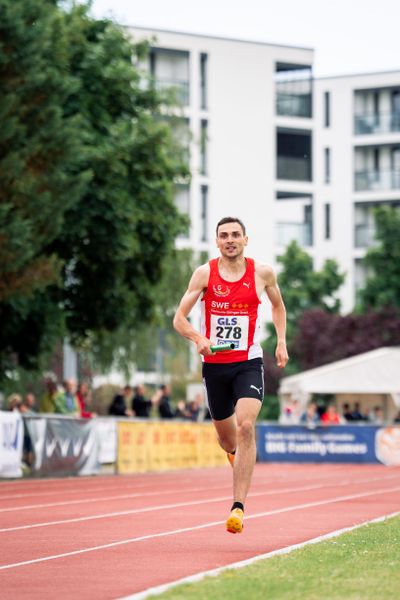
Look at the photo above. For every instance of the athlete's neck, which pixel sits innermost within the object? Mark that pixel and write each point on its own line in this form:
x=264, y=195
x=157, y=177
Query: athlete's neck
x=235, y=266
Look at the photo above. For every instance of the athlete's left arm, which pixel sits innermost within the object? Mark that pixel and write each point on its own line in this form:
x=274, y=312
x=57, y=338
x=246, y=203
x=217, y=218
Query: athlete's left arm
x=278, y=311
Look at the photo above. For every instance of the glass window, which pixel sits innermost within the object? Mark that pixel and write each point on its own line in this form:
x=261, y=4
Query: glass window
x=203, y=146
x=203, y=80
x=327, y=210
x=204, y=215
x=327, y=169
x=327, y=109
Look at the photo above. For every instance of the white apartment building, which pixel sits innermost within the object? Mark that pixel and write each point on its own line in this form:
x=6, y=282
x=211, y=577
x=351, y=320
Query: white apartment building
x=294, y=157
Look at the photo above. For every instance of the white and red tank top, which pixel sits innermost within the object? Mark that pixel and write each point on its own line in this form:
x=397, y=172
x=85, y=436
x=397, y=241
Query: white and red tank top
x=230, y=314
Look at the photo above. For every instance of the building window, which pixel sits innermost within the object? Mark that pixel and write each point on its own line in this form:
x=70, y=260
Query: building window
x=294, y=155
x=204, y=215
x=327, y=211
x=203, y=146
x=327, y=167
x=170, y=71
x=203, y=80
x=293, y=87
x=327, y=109
x=182, y=203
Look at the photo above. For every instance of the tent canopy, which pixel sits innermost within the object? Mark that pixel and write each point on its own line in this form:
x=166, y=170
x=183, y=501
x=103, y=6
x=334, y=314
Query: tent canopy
x=374, y=372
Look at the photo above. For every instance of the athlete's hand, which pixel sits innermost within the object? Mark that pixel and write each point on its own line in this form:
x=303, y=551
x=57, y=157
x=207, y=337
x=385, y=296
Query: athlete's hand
x=281, y=355
x=203, y=346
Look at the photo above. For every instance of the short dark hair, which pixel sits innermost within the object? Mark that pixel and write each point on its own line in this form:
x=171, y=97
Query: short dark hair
x=231, y=220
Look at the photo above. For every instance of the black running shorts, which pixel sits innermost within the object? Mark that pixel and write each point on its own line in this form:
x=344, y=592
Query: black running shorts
x=225, y=384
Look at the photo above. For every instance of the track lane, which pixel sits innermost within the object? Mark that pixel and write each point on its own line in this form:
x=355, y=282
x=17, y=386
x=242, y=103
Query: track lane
x=273, y=521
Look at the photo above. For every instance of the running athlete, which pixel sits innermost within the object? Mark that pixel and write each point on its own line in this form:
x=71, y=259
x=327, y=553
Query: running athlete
x=231, y=286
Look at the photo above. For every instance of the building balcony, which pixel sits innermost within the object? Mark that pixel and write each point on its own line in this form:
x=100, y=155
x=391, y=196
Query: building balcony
x=293, y=168
x=179, y=88
x=383, y=122
x=298, y=232
x=293, y=105
x=376, y=180
x=364, y=236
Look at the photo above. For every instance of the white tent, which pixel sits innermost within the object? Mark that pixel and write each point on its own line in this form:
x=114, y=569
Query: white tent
x=374, y=373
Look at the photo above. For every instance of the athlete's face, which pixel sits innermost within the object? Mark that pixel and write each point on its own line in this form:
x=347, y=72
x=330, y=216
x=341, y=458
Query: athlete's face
x=230, y=240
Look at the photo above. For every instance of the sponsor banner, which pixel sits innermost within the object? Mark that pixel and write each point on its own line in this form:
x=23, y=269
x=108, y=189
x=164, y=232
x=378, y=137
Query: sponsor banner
x=107, y=434
x=158, y=446
x=64, y=445
x=11, y=444
x=335, y=444
x=387, y=446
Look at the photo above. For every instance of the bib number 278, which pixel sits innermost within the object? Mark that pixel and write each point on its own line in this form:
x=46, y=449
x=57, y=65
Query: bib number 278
x=233, y=329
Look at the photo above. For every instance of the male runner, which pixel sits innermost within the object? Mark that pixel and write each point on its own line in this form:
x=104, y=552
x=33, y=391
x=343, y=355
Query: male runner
x=234, y=380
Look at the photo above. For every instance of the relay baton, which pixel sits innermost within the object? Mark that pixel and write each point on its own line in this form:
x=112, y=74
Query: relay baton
x=223, y=347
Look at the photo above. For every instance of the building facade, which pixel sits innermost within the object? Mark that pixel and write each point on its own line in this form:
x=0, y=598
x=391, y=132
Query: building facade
x=296, y=158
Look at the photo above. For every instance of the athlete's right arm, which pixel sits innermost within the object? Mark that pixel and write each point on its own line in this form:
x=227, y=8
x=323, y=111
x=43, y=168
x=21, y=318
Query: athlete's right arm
x=197, y=285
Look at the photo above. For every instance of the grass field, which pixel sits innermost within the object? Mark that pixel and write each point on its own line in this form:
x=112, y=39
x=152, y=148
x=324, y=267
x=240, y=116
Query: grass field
x=362, y=564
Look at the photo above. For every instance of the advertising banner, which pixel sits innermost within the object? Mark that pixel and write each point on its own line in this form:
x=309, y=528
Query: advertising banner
x=64, y=445
x=11, y=443
x=107, y=434
x=159, y=446
x=335, y=444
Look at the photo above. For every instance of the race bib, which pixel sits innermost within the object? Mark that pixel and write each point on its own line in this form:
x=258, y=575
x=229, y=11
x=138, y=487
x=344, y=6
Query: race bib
x=230, y=329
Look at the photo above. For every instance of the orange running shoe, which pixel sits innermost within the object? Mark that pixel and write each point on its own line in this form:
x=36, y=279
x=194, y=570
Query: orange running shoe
x=231, y=458
x=234, y=523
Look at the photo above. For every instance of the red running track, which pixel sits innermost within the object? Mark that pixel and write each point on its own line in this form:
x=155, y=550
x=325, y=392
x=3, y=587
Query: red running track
x=110, y=537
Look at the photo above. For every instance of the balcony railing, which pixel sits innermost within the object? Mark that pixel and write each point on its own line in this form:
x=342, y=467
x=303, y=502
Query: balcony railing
x=293, y=105
x=364, y=236
x=293, y=168
x=377, y=180
x=180, y=89
x=289, y=232
x=383, y=122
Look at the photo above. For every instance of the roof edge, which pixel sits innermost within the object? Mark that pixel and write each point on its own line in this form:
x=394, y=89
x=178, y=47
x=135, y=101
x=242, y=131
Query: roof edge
x=218, y=37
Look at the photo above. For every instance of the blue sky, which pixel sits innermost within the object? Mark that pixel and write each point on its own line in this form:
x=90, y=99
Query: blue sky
x=348, y=36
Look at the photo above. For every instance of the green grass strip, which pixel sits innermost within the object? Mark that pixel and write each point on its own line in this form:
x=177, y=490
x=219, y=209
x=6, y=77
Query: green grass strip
x=362, y=564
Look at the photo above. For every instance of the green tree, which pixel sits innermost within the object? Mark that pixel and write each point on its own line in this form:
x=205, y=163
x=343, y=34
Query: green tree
x=87, y=174
x=153, y=345
x=40, y=172
x=382, y=287
x=302, y=289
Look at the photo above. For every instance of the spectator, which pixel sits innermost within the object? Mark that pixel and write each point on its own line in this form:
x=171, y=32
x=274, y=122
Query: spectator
x=119, y=405
x=140, y=404
x=48, y=402
x=310, y=416
x=14, y=402
x=290, y=413
x=28, y=407
x=347, y=414
x=376, y=416
x=163, y=400
x=331, y=416
x=194, y=407
x=356, y=415
x=181, y=410
x=84, y=396
x=67, y=401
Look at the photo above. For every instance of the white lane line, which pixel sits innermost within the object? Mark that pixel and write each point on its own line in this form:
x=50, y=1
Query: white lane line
x=329, y=483
x=155, y=508
x=136, y=485
x=196, y=527
x=155, y=591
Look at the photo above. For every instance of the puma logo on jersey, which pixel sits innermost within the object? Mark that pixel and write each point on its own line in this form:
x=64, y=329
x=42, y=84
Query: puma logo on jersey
x=256, y=388
x=247, y=284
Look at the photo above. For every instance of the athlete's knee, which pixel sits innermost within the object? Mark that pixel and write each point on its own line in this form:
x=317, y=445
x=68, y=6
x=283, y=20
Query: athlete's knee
x=246, y=430
x=227, y=443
